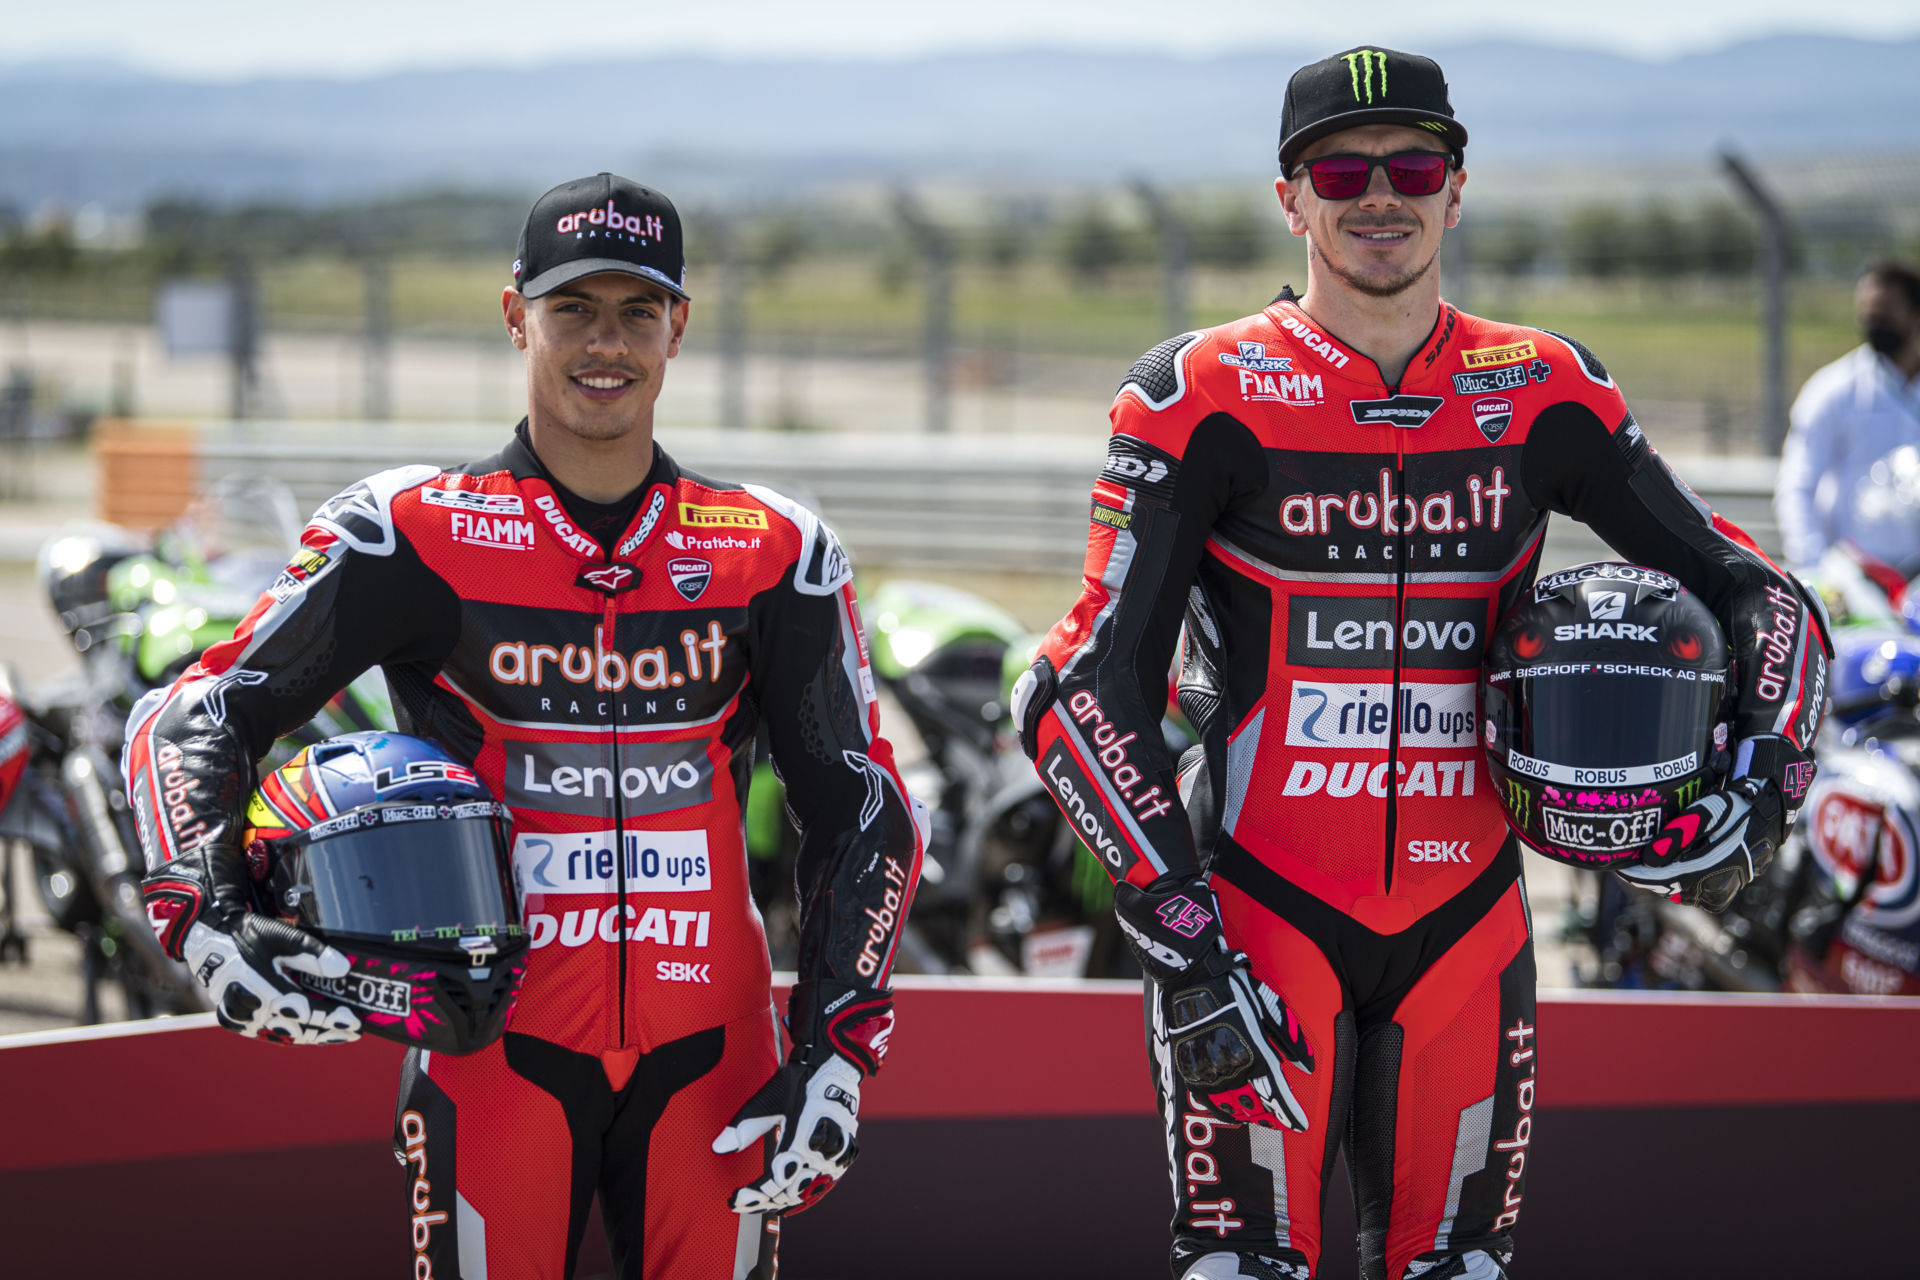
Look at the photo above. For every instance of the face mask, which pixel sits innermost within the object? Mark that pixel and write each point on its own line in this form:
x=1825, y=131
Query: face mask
x=1885, y=339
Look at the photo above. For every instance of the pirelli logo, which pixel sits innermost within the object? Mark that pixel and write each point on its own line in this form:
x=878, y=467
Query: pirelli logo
x=698, y=517
x=1487, y=357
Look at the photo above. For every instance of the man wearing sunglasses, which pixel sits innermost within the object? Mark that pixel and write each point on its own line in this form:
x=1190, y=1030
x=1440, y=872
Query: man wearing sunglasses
x=1339, y=496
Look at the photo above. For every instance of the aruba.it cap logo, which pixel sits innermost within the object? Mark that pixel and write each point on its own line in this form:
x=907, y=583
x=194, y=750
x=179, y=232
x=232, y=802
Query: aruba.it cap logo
x=1362, y=63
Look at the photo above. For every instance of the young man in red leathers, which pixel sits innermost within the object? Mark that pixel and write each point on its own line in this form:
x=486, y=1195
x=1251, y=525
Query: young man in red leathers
x=598, y=633
x=1336, y=499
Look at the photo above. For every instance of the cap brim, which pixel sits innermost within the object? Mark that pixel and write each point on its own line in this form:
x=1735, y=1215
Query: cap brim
x=567, y=272
x=1299, y=140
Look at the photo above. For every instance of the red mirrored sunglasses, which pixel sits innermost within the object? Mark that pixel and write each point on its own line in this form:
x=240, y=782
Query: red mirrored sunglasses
x=1411, y=173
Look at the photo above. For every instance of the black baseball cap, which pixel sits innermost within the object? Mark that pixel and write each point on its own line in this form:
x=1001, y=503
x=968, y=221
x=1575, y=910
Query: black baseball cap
x=1367, y=86
x=602, y=223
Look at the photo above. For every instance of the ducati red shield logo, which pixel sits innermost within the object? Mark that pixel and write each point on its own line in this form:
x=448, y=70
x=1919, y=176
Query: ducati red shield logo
x=611, y=579
x=690, y=576
x=1493, y=415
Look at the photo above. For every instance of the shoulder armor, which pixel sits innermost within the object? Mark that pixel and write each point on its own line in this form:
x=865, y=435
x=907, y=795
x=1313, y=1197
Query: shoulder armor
x=361, y=515
x=823, y=567
x=1589, y=363
x=1158, y=377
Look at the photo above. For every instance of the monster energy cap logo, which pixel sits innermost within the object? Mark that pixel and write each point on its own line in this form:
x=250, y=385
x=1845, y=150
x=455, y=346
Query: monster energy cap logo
x=1361, y=63
x=1366, y=86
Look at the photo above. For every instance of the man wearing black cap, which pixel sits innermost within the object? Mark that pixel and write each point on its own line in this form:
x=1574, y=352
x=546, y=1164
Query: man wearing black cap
x=597, y=633
x=1334, y=500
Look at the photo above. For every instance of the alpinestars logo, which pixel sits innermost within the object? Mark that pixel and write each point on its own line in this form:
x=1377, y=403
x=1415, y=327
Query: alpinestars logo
x=1253, y=355
x=609, y=579
x=654, y=508
x=1362, y=63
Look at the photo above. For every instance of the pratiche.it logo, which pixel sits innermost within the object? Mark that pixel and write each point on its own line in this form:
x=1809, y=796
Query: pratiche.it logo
x=1361, y=64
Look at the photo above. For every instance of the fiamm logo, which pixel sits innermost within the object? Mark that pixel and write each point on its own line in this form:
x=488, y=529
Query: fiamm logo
x=1362, y=63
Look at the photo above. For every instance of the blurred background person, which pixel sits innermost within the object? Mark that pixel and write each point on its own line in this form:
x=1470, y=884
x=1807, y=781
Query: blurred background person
x=1849, y=416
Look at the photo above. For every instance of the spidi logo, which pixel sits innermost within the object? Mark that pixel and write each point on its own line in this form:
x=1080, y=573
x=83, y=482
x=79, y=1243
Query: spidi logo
x=646, y=226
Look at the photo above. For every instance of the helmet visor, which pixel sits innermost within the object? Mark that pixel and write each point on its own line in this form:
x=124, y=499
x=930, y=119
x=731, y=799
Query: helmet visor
x=406, y=881
x=1595, y=728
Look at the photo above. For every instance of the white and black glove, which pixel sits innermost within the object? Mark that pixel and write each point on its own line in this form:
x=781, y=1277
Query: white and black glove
x=1226, y=1033
x=1715, y=847
x=812, y=1104
x=251, y=965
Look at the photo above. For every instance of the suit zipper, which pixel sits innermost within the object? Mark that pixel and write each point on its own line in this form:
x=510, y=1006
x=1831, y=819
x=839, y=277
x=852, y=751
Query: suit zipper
x=1403, y=548
x=619, y=827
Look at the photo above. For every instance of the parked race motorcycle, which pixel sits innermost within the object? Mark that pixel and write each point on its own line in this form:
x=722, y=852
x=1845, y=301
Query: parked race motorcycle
x=1006, y=887
x=138, y=615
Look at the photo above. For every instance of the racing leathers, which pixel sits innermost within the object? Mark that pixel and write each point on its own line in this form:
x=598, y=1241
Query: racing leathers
x=610, y=694
x=1338, y=550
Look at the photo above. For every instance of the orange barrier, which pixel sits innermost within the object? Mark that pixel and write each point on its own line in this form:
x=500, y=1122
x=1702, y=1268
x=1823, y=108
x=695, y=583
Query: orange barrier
x=1020, y=1113
x=145, y=473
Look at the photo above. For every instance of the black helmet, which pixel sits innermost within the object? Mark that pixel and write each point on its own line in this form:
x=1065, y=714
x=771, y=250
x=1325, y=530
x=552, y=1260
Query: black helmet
x=1604, y=702
x=392, y=852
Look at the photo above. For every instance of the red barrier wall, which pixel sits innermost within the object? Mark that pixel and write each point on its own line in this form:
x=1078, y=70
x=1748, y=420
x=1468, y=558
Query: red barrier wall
x=1044, y=1080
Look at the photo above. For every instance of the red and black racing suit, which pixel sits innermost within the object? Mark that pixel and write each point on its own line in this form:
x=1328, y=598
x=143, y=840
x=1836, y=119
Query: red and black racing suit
x=610, y=695
x=1338, y=550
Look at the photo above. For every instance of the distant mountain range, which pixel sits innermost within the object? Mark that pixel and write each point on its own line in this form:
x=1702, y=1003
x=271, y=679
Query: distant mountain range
x=73, y=133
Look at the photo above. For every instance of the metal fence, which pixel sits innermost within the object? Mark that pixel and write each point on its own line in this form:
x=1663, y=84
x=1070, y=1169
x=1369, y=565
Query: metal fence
x=973, y=502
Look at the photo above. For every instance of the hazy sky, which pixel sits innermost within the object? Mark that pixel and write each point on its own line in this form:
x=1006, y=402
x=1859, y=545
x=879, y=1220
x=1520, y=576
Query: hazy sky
x=225, y=39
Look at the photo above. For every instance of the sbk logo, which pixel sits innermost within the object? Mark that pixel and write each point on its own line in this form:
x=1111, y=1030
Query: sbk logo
x=609, y=579
x=679, y=971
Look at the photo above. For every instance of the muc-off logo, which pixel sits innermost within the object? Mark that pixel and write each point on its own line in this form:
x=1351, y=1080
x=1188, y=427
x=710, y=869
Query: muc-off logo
x=365, y=991
x=1659, y=583
x=1184, y=916
x=1362, y=64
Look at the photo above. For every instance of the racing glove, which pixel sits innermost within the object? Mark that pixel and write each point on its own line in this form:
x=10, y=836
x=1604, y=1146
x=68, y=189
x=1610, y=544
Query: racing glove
x=1226, y=1032
x=812, y=1104
x=251, y=965
x=1715, y=847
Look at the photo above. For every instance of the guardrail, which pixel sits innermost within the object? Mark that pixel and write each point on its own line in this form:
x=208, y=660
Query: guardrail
x=978, y=502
